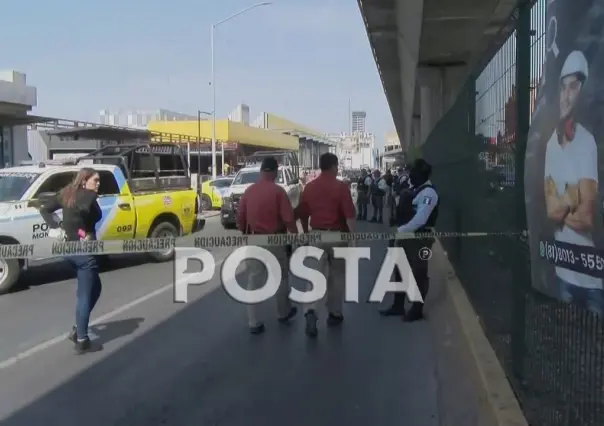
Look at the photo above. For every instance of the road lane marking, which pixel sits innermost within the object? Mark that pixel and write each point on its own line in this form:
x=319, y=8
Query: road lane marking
x=205, y=290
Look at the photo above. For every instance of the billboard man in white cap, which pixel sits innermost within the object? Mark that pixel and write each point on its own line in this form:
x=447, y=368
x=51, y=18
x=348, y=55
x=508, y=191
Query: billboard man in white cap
x=571, y=184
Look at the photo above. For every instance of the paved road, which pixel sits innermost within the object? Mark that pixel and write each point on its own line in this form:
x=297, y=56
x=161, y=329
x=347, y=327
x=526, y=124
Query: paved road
x=195, y=364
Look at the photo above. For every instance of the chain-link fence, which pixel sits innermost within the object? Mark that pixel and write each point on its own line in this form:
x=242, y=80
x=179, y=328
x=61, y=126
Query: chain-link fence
x=552, y=351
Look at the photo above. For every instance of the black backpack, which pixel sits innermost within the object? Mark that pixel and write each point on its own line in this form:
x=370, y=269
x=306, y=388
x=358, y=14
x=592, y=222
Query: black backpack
x=375, y=189
x=361, y=187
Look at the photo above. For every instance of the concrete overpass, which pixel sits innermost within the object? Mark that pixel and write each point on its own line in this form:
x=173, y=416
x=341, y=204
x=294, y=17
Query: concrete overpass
x=425, y=50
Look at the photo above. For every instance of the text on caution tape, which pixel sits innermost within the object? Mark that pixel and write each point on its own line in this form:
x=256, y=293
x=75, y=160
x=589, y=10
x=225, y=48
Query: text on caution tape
x=46, y=248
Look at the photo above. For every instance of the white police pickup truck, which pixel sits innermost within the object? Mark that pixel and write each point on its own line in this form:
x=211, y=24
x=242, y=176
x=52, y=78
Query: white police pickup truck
x=169, y=205
x=287, y=177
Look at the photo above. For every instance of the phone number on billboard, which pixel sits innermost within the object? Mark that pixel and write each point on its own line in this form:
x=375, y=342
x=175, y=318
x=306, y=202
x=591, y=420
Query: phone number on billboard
x=578, y=258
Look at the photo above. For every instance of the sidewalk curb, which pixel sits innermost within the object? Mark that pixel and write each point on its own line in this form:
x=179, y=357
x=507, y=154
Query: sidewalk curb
x=497, y=397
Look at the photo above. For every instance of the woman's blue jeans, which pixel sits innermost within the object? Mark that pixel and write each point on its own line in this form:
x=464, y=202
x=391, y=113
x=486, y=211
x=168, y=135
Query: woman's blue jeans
x=88, y=290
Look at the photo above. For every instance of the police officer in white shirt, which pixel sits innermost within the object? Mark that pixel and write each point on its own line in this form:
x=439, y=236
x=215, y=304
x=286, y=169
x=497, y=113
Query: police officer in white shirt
x=379, y=189
x=571, y=187
x=417, y=211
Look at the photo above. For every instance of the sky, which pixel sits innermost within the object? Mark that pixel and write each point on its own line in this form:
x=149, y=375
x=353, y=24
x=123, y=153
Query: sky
x=299, y=59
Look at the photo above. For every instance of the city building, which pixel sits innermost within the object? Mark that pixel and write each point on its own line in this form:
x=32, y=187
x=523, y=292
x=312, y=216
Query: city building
x=16, y=100
x=392, y=149
x=267, y=133
x=358, y=122
x=140, y=118
x=391, y=141
x=312, y=144
x=356, y=150
x=241, y=114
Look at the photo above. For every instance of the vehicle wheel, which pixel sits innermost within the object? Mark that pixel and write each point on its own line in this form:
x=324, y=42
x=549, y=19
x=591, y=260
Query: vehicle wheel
x=206, y=203
x=163, y=230
x=10, y=270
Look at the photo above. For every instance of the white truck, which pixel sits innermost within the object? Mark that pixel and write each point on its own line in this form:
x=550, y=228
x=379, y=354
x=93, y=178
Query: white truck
x=287, y=177
x=133, y=204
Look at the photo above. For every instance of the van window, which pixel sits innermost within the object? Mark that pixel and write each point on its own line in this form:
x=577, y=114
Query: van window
x=108, y=185
x=56, y=182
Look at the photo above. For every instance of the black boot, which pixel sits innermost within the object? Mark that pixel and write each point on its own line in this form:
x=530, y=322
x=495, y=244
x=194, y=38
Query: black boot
x=311, y=324
x=333, y=320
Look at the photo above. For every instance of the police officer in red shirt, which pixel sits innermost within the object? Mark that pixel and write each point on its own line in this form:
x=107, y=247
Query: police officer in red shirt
x=265, y=209
x=328, y=204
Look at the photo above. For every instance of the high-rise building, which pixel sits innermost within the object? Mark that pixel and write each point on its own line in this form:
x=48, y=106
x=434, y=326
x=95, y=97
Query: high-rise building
x=359, y=119
x=16, y=99
x=355, y=150
x=140, y=118
x=241, y=114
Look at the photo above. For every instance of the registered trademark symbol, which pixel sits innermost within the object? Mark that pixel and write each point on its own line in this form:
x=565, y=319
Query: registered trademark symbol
x=425, y=253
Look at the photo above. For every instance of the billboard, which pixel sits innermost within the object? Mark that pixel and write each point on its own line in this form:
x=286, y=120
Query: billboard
x=564, y=162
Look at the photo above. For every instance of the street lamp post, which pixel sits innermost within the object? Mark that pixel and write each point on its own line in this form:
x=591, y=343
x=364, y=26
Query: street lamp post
x=199, y=114
x=213, y=83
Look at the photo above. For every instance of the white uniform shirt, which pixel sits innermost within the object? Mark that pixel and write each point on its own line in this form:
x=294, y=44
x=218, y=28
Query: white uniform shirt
x=567, y=165
x=423, y=204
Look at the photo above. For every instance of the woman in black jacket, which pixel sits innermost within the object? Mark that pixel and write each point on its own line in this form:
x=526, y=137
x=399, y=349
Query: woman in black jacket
x=81, y=213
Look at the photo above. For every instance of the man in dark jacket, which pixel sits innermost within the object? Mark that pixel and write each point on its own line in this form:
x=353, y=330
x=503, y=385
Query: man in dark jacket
x=363, y=185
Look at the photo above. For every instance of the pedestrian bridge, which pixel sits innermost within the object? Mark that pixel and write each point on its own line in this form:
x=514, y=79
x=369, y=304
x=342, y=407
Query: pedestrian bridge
x=424, y=50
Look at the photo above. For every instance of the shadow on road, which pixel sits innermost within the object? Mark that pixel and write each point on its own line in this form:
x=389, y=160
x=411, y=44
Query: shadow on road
x=112, y=330
x=202, y=367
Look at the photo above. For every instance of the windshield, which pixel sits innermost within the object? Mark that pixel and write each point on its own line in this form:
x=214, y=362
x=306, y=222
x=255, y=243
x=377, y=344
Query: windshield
x=244, y=178
x=14, y=185
x=222, y=183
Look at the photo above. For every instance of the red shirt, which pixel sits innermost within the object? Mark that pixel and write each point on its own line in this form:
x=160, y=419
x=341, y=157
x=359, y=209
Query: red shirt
x=328, y=203
x=265, y=209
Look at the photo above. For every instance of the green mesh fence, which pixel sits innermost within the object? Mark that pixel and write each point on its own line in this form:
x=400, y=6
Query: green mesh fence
x=552, y=352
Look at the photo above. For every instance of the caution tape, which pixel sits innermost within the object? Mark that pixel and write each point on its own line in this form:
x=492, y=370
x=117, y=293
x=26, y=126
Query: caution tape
x=49, y=248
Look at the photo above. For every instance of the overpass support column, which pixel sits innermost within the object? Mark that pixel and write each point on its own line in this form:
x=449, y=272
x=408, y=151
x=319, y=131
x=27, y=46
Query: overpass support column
x=437, y=88
x=416, y=131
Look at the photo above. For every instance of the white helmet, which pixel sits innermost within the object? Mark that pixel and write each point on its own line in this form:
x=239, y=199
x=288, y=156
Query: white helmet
x=575, y=63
